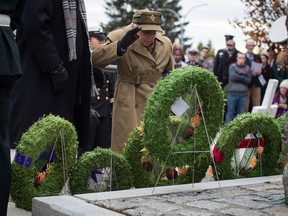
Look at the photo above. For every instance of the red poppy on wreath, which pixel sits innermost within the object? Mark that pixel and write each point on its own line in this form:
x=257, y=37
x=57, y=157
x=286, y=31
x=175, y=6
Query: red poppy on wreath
x=171, y=174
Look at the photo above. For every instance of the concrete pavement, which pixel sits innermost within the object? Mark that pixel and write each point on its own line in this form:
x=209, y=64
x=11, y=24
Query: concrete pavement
x=249, y=196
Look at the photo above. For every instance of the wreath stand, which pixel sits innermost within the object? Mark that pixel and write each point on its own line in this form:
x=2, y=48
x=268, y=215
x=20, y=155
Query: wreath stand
x=242, y=161
x=192, y=108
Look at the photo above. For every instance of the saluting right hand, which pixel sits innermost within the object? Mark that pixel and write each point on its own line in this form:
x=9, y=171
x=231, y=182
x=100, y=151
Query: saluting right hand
x=129, y=38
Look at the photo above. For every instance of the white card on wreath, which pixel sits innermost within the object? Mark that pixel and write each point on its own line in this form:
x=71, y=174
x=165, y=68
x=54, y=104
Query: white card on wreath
x=179, y=106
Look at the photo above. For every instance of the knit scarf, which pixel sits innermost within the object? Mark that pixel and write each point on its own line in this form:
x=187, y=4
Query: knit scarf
x=69, y=9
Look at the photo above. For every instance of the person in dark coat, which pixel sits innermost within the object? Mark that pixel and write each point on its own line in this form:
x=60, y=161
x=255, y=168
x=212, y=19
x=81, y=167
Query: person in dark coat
x=55, y=60
x=10, y=70
x=224, y=58
x=267, y=72
x=101, y=104
x=192, y=58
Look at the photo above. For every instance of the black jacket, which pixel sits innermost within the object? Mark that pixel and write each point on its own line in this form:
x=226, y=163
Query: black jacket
x=105, y=86
x=42, y=43
x=221, y=65
x=9, y=55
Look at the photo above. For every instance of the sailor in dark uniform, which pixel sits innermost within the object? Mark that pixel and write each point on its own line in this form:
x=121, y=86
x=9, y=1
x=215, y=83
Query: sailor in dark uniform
x=192, y=58
x=101, y=104
x=224, y=58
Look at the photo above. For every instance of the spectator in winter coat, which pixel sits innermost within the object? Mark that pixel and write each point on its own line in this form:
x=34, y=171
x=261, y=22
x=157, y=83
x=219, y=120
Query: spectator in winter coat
x=239, y=79
x=224, y=58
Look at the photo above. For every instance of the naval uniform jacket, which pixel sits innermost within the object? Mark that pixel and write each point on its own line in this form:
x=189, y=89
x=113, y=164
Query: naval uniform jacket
x=138, y=72
x=222, y=64
x=102, y=102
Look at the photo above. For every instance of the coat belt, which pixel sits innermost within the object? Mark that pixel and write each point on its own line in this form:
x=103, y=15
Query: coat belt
x=137, y=79
x=4, y=20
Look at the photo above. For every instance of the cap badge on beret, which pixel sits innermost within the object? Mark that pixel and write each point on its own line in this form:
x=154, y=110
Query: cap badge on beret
x=147, y=20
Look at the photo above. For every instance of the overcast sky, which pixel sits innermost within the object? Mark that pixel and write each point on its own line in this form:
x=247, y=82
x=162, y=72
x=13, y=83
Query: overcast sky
x=206, y=23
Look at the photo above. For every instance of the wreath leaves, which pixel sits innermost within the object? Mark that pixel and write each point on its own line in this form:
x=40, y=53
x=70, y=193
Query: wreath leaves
x=32, y=143
x=120, y=173
x=236, y=130
x=156, y=116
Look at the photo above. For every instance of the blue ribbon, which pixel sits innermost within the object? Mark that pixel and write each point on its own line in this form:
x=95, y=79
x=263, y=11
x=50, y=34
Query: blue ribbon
x=94, y=174
x=22, y=160
x=49, y=156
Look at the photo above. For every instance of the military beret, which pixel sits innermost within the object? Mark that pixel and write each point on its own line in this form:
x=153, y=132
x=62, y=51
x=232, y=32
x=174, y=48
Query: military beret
x=147, y=20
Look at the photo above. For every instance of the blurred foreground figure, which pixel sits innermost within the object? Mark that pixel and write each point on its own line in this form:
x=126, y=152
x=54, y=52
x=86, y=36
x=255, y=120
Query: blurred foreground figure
x=9, y=71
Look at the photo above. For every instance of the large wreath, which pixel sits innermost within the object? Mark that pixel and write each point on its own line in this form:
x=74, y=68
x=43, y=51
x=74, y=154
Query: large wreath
x=133, y=152
x=283, y=158
x=37, y=169
x=281, y=123
x=100, y=170
x=146, y=170
x=235, y=131
x=156, y=117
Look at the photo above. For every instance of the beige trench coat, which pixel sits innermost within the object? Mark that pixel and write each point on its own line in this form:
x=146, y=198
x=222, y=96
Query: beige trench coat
x=138, y=72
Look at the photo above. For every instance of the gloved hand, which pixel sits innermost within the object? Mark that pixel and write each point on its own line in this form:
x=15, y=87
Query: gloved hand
x=129, y=38
x=59, y=78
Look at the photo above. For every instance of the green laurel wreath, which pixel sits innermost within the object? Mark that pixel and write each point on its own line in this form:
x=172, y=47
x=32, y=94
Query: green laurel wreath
x=33, y=142
x=280, y=121
x=141, y=177
x=156, y=116
x=236, y=130
x=98, y=159
x=133, y=154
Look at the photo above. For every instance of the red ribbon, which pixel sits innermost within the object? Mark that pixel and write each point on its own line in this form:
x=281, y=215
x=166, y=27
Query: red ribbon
x=245, y=143
x=251, y=143
x=218, y=155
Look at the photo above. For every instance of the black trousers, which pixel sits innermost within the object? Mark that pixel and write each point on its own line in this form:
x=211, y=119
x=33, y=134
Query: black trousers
x=6, y=86
x=100, y=133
